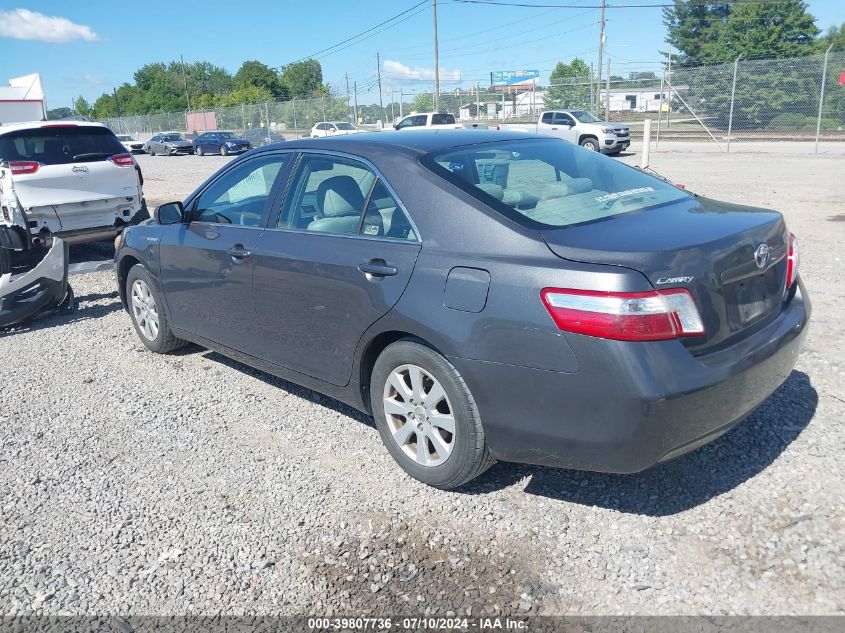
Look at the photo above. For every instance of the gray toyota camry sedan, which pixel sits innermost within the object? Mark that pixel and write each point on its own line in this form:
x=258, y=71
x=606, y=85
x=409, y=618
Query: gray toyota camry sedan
x=484, y=295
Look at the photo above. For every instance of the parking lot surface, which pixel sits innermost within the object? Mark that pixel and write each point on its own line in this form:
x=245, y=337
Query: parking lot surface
x=134, y=483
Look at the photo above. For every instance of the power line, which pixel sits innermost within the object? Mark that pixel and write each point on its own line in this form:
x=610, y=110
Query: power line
x=529, y=5
x=364, y=32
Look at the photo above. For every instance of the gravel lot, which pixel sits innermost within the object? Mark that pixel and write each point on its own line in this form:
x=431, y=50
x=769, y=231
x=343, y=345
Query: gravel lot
x=141, y=484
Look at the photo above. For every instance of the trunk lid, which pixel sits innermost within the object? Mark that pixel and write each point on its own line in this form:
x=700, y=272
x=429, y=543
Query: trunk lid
x=75, y=182
x=703, y=245
x=73, y=164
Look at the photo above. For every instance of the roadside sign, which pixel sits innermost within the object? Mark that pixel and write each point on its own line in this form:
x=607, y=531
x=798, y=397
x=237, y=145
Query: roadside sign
x=500, y=78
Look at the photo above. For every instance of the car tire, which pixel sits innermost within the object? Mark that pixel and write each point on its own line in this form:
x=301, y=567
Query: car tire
x=590, y=143
x=224, y=151
x=150, y=151
x=199, y=151
x=146, y=310
x=448, y=458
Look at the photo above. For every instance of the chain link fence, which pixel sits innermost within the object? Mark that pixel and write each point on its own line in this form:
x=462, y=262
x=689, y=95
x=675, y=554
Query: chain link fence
x=294, y=118
x=766, y=99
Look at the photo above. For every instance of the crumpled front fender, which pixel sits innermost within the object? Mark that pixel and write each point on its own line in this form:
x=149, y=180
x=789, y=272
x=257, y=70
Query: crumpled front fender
x=26, y=295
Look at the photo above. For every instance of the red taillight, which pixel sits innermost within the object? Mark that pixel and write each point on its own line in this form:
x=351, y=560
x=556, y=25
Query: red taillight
x=122, y=160
x=792, y=260
x=654, y=315
x=21, y=167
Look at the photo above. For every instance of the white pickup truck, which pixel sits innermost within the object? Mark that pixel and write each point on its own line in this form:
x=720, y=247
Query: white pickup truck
x=433, y=121
x=578, y=126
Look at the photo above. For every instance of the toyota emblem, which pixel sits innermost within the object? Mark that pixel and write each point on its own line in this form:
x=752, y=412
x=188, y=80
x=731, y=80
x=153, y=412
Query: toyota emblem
x=761, y=255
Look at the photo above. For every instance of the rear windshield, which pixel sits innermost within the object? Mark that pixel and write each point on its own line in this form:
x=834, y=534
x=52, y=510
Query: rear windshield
x=60, y=145
x=345, y=126
x=442, y=119
x=549, y=183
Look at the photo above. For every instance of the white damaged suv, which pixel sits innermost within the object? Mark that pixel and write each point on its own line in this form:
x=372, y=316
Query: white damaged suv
x=68, y=180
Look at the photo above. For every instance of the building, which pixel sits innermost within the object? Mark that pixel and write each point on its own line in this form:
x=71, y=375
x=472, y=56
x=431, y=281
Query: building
x=639, y=99
x=22, y=100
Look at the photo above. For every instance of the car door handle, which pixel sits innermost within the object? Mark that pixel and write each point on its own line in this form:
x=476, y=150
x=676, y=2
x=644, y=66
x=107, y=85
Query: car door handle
x=239, y=252
x=554, y=128
x=378, y=268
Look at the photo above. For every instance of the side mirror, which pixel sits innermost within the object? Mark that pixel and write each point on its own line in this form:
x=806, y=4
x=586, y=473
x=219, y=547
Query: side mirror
x=395, y=126
x=169, y=213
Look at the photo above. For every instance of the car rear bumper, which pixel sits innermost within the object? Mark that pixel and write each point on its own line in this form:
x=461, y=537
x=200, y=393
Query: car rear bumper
x=631, y=405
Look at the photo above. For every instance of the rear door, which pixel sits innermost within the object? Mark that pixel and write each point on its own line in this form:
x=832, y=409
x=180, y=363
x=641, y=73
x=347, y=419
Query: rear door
x=206, y=264
x=338, y=258
x=69, y=164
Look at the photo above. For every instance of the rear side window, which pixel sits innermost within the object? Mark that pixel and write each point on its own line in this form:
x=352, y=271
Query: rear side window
x=548, y=183
x=442, y=119
x=60, y=145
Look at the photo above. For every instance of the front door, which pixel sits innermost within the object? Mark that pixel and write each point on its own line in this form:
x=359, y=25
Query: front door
x=337, y=260
x=207, y=263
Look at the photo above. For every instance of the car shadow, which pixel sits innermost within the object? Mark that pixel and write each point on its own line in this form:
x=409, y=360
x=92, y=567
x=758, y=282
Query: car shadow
x=682, y=483
x=290, y=387
x=88, y=310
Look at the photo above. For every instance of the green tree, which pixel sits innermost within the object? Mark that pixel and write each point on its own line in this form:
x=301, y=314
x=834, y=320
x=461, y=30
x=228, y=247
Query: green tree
x=58, y=113
x=303, y=79
x=836, y=36
x=716, y=32
x=254, y=73
x=423, y=102
x=774, y=29
x=569, y=85
x=81, y=106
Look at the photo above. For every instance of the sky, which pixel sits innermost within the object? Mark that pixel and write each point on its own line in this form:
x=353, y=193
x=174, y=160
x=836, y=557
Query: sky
x=86, y=48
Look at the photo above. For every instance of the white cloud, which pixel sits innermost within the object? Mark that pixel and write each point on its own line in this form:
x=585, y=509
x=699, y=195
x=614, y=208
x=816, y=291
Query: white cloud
x=400, y=71
x=23, y=24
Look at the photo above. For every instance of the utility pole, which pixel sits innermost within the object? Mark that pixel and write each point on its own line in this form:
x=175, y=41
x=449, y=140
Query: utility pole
x=607, y=95
x=355, y=88
x=185, y=79
x=378, y=69
x=601, y=47
x=347, y=94
x=436, y=64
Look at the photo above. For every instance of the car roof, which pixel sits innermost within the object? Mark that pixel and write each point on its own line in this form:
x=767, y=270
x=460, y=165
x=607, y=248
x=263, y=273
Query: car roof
x=418, y=142
x=34, y=125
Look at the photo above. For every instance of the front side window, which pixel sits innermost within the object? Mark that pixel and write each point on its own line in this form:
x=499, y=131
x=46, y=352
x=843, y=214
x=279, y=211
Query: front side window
x=239, y=196
x=545, y=183
x=585, y=117
x=561, y=118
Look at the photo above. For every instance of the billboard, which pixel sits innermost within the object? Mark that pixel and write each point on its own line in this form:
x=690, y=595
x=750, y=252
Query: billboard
x=507, y=78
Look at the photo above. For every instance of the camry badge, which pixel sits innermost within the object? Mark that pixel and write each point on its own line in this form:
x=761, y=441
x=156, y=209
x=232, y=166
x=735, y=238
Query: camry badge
x=79, y=169
x=761, y=255
x=675, y=280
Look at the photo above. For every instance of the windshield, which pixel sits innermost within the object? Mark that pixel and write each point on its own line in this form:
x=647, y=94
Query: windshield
x=124, y=137
x=225, y=135
x=585, y=117
x=172, y=137
x=345, y=126
x=545, y=183
x=60, y=145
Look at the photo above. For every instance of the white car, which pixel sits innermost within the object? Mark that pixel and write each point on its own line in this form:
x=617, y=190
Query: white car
x=73, y=181
x=333, y=128
x=433, y=121
x=131, y=144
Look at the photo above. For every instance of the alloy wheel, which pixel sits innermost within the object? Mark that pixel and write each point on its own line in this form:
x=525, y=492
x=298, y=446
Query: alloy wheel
x=419, y=415
x=144, y=310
